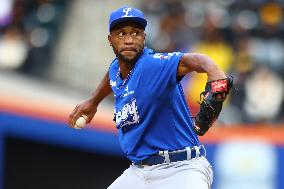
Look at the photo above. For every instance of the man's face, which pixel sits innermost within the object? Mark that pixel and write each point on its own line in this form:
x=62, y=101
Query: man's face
x=127, y=40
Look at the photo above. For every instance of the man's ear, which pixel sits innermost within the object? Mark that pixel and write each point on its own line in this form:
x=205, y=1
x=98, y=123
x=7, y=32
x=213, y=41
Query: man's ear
x=109, y=39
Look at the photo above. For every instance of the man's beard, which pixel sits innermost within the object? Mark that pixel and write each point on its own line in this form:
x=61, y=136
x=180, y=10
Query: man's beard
x=126, y=59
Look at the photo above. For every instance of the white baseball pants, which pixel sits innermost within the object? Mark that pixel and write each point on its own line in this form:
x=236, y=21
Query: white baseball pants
x=188, y=174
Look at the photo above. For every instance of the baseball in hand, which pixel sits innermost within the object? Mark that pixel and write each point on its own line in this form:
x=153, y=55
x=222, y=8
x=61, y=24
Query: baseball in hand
x=81, y=122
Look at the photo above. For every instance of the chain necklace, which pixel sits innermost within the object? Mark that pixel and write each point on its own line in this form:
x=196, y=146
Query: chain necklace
x=125, y=79
x=128, y=75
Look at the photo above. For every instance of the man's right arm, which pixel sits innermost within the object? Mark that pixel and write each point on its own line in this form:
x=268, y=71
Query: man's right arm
x=89, y=107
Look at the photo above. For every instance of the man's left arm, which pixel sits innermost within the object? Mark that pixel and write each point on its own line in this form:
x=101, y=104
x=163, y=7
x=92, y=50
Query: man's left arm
x=217, y=87
x=200, y=63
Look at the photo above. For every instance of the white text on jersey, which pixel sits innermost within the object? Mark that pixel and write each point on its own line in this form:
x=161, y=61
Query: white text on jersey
x=128, y=115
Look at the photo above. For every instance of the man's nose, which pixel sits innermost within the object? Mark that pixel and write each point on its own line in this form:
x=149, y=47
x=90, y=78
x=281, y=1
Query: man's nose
x=128, y=39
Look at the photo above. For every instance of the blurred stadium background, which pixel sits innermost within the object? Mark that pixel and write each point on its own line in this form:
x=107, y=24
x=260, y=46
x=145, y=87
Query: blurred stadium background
x=53, y=53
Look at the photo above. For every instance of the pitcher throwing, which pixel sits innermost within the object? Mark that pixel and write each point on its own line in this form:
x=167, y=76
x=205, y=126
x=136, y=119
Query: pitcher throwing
x=155, y=128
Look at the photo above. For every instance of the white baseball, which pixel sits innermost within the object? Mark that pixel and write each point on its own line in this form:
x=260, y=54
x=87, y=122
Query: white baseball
x=81, y=122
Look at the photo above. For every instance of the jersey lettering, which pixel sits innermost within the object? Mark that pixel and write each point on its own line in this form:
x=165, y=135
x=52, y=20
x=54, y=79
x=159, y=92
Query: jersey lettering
x=112, y=83
x=127, y=92
x=128, y=115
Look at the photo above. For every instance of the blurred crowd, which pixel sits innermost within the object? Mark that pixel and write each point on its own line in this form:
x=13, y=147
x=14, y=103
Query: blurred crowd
x=244, y=37
x=28, y=31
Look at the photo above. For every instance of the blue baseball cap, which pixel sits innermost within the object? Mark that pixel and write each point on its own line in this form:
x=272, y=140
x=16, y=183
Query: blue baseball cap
x=125, y=14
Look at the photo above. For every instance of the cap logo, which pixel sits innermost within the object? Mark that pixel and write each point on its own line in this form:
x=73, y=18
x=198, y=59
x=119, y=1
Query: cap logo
x=127, y=10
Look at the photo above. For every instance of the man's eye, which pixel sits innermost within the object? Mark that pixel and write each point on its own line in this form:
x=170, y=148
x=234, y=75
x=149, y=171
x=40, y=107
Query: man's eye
x=120, y=34
x=134, y=34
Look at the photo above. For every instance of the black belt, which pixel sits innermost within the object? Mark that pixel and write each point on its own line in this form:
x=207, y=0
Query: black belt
x=174, y=156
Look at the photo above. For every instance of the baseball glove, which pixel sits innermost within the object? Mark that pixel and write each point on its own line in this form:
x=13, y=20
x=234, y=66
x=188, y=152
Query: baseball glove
x=210, y=106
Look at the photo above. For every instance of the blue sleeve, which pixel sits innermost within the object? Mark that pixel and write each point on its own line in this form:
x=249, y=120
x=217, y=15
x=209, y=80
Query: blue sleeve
x=167, y=73
x=159, y=73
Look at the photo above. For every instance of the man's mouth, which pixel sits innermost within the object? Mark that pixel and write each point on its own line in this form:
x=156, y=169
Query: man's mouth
x=128, y=49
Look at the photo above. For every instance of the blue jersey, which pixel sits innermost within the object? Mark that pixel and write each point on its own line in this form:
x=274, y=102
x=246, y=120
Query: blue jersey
x=150, y=110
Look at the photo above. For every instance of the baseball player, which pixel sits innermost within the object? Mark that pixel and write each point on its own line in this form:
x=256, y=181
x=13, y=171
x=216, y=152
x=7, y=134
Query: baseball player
x=155, y=128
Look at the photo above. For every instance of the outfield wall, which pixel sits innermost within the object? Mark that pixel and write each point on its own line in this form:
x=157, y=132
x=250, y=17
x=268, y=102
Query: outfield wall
x=243, y=157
